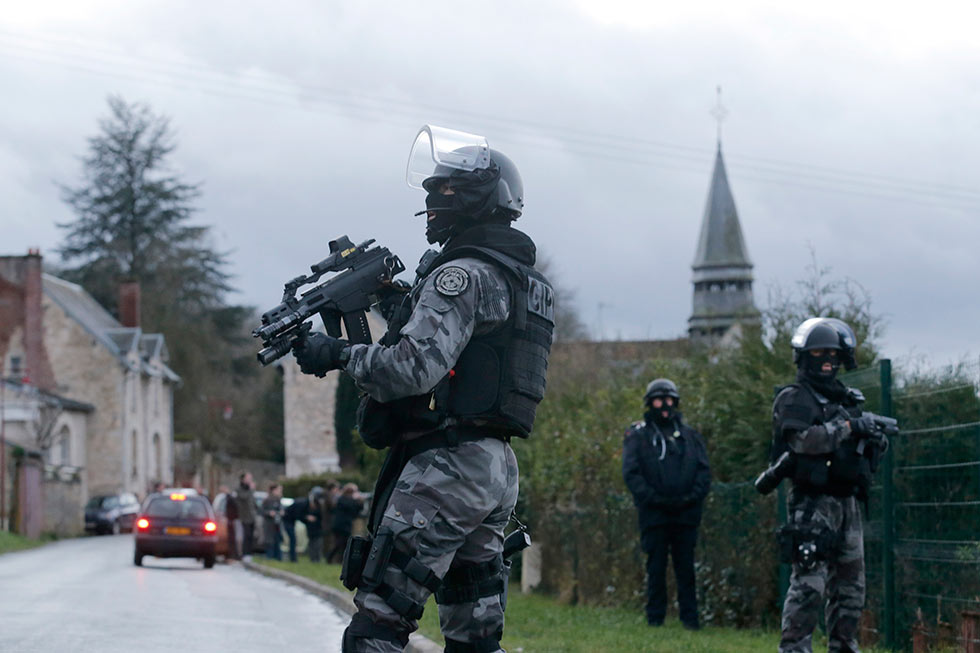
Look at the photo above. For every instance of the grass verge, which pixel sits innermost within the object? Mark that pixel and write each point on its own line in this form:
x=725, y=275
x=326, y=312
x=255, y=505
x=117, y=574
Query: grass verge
x=13, y=542
x=539, y=624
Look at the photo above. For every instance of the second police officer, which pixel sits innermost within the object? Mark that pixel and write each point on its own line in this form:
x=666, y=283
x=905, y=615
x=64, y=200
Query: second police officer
x=665, y=466
x=829, y=448
x=458, y=375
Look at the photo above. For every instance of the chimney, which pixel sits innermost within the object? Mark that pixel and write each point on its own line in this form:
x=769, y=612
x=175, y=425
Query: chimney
x=129, y=303
x=38, y=368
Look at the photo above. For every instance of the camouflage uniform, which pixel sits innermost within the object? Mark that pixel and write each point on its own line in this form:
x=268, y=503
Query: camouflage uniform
x=839, y=577
x=450, y=504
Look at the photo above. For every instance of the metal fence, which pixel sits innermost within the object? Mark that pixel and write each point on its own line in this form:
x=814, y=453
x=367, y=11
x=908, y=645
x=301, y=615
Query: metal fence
x=922, y=535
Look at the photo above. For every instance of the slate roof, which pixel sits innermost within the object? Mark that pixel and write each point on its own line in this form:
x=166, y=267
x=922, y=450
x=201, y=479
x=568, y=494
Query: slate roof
x=721, y=243
x=119, y=340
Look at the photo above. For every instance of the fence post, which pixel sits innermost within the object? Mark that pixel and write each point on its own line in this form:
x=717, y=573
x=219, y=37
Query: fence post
x=888, y=515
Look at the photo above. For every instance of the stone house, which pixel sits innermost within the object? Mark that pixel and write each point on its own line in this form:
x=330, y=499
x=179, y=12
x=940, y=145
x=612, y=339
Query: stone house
x=57, y=340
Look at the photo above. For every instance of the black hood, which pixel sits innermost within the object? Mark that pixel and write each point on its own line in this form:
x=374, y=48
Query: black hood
x=501, y=237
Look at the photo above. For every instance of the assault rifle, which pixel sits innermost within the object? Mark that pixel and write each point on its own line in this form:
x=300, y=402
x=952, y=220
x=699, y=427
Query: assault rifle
x=365, y=273
x=884, y=428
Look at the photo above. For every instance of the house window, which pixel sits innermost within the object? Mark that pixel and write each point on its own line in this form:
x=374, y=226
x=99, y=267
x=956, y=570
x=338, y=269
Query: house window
x=64, y=446
x=15, y=364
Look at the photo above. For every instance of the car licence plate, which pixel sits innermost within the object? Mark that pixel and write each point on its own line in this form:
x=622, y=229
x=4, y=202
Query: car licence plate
x=176, y=530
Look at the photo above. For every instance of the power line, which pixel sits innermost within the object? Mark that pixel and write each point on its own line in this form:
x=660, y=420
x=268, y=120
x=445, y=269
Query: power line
x=636, y=151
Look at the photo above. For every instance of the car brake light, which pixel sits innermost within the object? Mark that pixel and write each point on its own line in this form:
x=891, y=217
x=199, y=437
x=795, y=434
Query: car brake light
x=210, y=527
x=142, y=523
x=177, y=497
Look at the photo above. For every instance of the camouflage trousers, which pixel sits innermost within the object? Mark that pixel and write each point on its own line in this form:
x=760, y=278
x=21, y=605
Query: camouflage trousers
x=450, y=505
x=839, y=579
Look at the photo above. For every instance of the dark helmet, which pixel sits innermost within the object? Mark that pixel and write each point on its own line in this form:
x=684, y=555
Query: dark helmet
x=496, y=190
x=825, y=333
x=661, y=388
x=487, y=186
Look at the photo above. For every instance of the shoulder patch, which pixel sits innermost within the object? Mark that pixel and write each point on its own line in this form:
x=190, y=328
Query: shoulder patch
x=452, y=281
x=635, y=427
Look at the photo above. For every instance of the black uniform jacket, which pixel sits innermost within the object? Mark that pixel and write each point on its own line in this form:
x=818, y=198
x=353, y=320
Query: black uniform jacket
x=672, y=490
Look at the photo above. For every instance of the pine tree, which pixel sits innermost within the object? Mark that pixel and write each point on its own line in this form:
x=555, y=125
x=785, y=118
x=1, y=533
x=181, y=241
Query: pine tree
x=132, y=218
x=133, y=223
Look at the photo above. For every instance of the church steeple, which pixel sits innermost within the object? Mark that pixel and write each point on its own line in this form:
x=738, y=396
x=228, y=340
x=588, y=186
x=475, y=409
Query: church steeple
x=722, y=268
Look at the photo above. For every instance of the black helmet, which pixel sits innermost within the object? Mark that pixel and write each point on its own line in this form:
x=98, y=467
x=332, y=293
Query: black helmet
x=487, y=186
x=496, y=190
x=825, y=333
x=661, y=388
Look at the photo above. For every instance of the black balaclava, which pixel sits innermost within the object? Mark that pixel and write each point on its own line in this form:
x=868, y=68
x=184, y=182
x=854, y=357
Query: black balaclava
x=474, y=199
x=656, y=415
x=825, y=383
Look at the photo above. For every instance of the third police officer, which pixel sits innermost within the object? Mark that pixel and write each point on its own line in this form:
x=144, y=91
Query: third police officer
x=829, y=448
x=458, y=375
x=665, y=466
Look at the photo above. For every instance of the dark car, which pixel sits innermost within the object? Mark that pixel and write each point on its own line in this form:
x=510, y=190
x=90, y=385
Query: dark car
x=111, y=513
x=176, y=525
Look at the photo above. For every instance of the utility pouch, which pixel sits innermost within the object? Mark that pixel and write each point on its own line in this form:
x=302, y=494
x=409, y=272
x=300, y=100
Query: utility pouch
x=378, y=558
x=376, y=423
x=355, y=555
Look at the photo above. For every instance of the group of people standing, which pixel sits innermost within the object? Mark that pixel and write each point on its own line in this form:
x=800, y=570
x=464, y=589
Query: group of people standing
x=333, y=509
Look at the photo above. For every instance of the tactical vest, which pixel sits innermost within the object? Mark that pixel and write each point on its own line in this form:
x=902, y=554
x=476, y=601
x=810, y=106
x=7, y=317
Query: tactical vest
x=843, y=472
x=499, y=379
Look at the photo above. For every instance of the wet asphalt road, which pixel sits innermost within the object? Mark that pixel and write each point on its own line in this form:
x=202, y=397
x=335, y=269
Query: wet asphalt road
x=86, y=595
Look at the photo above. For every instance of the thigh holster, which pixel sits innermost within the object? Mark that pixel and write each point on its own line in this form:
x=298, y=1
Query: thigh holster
x=374, y=557
x=466, y=583
x=807, y=546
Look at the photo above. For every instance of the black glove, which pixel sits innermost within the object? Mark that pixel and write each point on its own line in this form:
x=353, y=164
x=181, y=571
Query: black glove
x=317, y=353
x=393, y=299
x=863, y=426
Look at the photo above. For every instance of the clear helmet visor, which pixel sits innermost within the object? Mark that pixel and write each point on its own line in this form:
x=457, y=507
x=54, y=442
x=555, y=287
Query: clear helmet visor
x=438, y=151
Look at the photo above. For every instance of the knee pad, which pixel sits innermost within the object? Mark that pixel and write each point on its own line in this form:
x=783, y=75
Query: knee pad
x=362, y=627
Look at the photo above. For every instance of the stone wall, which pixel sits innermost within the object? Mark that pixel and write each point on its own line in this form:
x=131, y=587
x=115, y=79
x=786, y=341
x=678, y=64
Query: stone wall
x=309, y=404
x=311, y=440
x=87, y=371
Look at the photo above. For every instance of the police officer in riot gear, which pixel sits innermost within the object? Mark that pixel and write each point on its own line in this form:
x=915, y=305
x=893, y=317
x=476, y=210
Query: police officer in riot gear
x=830, y=450
x=458, y=375
x=665, y=466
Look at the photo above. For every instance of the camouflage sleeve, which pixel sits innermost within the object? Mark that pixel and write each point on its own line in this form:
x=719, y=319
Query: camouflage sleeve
x=458, y=299
x=803, y=437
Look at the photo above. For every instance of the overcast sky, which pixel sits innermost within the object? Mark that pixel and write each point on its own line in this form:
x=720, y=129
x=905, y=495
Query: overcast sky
x=853, y=130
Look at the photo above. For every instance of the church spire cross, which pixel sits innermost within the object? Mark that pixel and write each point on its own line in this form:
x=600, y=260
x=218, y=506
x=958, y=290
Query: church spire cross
x=719, y=112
